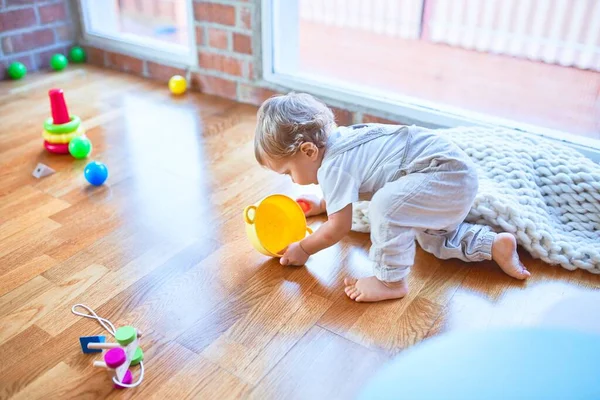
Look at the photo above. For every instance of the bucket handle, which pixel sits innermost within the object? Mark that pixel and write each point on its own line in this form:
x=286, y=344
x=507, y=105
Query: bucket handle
x=308, y=230
x=247, y=218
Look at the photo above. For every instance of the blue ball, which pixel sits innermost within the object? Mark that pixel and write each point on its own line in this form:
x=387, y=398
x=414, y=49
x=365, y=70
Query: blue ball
x=96, y=173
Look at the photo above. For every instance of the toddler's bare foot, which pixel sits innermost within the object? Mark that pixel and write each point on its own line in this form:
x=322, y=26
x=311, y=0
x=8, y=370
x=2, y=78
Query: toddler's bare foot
x=372, y=289
x=504, y=252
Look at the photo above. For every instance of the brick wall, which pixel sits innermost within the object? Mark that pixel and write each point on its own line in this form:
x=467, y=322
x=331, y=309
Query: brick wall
x=228, y=45
x=226, y=57
x=32, y=30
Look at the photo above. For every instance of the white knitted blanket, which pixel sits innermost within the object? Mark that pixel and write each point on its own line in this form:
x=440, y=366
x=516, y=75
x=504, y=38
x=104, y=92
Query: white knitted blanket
x=546, y=194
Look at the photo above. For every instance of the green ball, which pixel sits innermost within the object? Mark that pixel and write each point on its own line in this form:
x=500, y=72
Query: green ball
x=16, y=70
x=80, y=147
x=77, y=55
x=58, y=62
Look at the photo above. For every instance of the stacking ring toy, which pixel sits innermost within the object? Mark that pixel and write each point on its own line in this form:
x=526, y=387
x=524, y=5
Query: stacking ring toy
x=70, y=126
x=63, y=137
x=61, y=128
x=58, y=148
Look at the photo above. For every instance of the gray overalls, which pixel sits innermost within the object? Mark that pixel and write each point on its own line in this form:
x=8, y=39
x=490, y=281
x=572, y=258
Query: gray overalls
x=426, y=197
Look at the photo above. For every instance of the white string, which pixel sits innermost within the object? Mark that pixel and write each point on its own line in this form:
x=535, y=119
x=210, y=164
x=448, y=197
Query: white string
x=92, y=314
x=106, y=324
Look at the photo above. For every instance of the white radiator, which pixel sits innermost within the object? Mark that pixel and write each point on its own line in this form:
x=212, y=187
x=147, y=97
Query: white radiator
x=396, y=18
x=564, y=32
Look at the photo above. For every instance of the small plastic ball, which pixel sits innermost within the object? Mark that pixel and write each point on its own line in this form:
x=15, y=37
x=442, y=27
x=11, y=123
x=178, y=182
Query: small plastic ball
x=96, y=173
x=177, y=84
x=58, y=62
x=16, y=70
x=80, y=147
x=77, y=54
x=304, y=205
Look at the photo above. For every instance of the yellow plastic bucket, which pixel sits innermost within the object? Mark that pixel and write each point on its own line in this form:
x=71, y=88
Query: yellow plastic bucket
x=274, y=223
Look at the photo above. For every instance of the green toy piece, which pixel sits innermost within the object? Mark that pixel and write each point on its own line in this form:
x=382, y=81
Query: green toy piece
x=58, y=62
x=77, y=55
x=80, y=147
x=16, y=70
x=125, y=335
x=138, y=356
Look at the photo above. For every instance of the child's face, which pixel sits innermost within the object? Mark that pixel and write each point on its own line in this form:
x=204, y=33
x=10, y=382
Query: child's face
x=302, y=167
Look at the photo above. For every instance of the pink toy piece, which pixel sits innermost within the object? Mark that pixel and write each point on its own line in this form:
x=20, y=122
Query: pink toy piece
x=115, y=357
x=127, y=379
x=57, y=148
x=58, y=106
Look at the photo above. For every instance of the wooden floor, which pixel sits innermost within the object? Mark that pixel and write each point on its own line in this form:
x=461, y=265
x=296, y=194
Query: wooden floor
x=162, y=247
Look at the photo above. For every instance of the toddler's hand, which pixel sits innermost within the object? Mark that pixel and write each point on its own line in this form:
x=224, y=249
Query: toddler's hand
x=294, y=255
x=313, y=203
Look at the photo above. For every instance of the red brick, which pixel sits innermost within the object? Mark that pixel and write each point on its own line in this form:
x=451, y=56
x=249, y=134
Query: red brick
x=218, y=62
x=369, y=118
x=245, y=18
x=254, y=94
x=200, y=36
x=95, y=56
x=342, y=117
x=17, y=19
x=242, y=43
x=64, y=33
x=218, y=13
x=125, y=63
x=218, y=38
x=214, y=85
x=27, y=41
x=250, y=71
x=52, y=13
x=163, y=72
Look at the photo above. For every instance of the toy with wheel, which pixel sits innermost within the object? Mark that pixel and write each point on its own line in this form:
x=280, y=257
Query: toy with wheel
x=117, y=356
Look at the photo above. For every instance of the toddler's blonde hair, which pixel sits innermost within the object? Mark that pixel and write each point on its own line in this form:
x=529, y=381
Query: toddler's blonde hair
x=287, y=121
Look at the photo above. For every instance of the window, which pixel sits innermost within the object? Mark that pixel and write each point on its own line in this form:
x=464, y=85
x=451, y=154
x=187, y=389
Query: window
x=526, y=64
x=154, y=29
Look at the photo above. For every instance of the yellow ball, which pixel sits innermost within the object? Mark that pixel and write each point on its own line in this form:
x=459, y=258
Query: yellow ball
x=177, y=84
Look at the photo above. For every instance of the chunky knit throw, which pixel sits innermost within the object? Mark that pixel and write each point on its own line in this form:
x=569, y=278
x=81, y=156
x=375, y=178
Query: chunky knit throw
x=546, y=194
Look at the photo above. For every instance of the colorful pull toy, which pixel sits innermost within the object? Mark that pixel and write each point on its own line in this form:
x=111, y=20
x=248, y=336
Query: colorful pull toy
x=117, y=356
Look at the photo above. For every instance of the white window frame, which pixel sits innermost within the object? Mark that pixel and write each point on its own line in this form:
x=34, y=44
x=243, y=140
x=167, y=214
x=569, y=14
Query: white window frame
x=408, y=109
x=141, y=47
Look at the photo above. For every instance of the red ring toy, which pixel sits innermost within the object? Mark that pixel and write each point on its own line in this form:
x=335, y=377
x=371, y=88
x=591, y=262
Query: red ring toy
x=57, y=148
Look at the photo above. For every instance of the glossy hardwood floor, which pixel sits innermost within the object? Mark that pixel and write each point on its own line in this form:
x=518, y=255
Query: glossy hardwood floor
x=162, y=247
